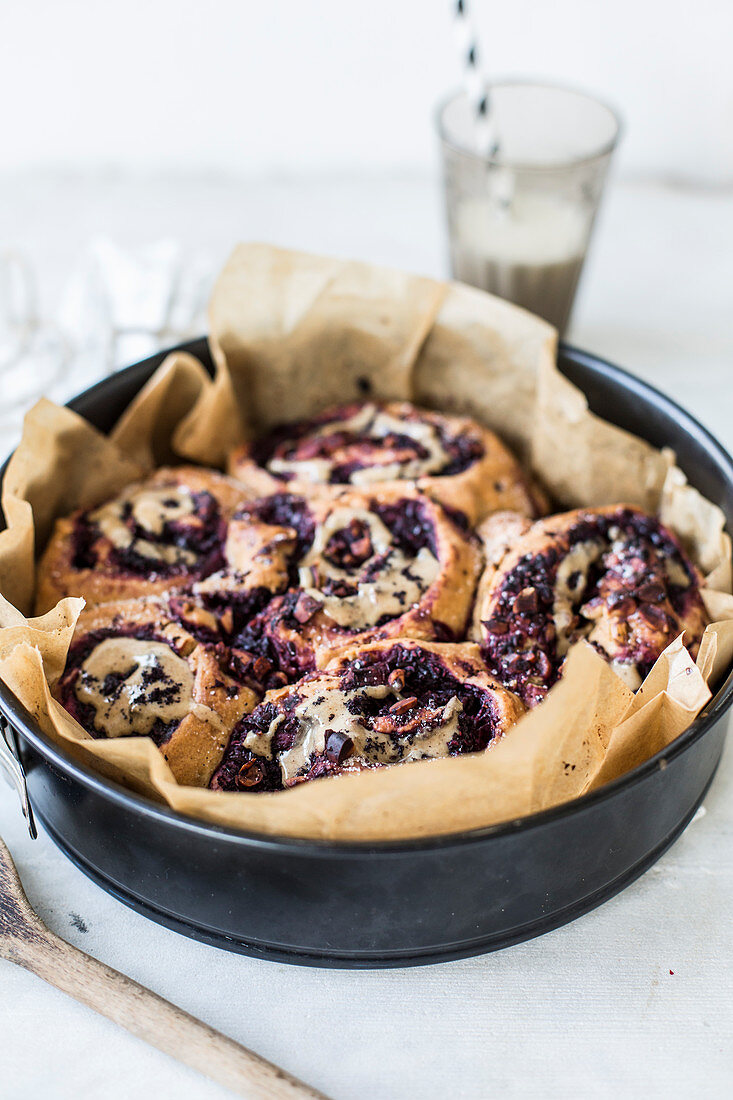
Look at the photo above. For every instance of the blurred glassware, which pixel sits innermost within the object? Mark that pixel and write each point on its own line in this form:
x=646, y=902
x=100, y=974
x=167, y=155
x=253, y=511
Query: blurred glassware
x=32, y=354
x=520, y=216
x=17, y=307
x=123, y=304
x=119, y=305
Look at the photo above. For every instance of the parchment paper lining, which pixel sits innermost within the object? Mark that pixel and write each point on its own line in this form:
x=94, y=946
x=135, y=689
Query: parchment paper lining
x=290, y=334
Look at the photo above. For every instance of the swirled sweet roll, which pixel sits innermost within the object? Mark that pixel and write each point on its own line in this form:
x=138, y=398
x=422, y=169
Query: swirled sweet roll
x=155, y=536
x=155, y=668
x=454, y=460
x=362, y=567
x=614, y=576
x=390, y=702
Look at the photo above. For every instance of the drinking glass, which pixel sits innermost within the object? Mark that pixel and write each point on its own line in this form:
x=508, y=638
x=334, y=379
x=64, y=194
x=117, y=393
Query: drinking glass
x=520, y=212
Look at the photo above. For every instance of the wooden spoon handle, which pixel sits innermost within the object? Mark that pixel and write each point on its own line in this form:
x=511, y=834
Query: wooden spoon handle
x=150, y=1017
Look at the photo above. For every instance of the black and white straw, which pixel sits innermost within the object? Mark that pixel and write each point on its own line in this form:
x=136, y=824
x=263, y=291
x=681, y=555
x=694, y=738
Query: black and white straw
x=474, y=80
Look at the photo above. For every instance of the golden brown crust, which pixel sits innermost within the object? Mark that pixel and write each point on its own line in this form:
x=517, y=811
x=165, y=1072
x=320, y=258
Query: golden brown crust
x=104, y=576
x=498, y=534
x=614, y=576
x=259, y=552
x=217, y=699
x=491, y=481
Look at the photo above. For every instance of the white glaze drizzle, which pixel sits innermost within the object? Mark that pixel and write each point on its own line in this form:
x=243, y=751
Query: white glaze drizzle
x=376, y=424
x=398, y=585
x=578, y=560
x=132, y=708
x=328, y=711
x=151, y=508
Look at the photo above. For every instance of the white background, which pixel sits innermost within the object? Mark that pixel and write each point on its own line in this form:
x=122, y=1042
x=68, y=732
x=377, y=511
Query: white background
x=307, y=122
x=305, y=85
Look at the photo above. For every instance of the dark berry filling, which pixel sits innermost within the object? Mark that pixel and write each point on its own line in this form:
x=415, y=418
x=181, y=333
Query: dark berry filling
x=299, y=443
x=422, y=679
x=263, y=637
x=350, y=547
x=253, y=670
x=410, y=524
x=421, y=688
x=202, y=533
x=456, y=516
x=400, y=449
x=234, y=610
x=636, y=574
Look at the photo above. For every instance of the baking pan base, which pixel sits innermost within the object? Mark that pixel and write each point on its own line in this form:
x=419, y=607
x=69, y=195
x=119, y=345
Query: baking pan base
x=342, y=961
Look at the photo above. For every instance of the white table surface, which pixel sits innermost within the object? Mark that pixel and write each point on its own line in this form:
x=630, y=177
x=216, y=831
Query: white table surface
x=634, y=999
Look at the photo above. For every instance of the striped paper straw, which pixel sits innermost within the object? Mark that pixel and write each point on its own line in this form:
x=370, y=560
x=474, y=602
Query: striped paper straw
x=474, y=80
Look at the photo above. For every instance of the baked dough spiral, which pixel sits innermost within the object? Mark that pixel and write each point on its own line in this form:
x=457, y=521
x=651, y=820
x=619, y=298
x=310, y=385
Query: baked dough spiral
x=614, y=576
x=361, y=567
x=453, y=459
x=390, y=702
x=155, y=668
x=155, y=536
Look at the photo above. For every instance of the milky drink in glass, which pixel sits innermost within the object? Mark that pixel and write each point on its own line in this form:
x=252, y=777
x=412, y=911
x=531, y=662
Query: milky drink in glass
x=521, y=215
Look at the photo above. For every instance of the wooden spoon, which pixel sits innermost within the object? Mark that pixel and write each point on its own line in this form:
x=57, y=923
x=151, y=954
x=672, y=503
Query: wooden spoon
x=24, y=939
